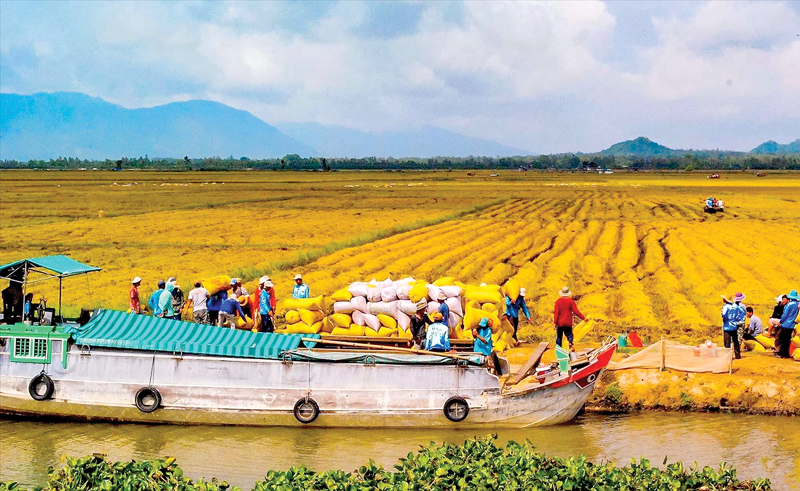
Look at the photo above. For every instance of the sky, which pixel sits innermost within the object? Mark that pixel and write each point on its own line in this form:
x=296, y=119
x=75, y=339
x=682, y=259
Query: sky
x=540, y=76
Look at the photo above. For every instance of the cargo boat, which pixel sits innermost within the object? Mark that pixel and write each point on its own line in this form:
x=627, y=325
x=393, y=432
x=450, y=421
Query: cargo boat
x=133, y=368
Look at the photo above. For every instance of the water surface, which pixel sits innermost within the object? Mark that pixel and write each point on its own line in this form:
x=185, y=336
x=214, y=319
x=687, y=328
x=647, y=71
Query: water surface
x=758, y=446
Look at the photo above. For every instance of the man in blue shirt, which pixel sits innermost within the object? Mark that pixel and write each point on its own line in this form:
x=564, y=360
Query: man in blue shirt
x=788, y=320
x=483, y=337
x=733, y=316
x=300, y=289
x=444, y=309
x=227, y=312
x=513, y=308
x=438, y=336
x=153, y=300
x=214, y=304
x=265, y=308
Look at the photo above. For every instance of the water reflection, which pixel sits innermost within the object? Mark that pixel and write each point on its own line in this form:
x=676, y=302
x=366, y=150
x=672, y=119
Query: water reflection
x=756, y=446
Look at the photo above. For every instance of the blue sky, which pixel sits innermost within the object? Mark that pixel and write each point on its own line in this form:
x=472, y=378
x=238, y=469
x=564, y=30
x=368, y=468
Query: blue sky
x=546, y=77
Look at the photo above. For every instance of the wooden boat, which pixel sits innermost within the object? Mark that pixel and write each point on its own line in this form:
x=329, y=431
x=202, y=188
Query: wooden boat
x=133, y=368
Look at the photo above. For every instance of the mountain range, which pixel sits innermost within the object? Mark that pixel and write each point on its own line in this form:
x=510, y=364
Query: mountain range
x=68, y=124
x=644, y=147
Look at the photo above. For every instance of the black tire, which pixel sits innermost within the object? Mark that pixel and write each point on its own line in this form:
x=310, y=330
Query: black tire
x=456, y=409
x=148, y=399
x=41, y=387
x=306, y=410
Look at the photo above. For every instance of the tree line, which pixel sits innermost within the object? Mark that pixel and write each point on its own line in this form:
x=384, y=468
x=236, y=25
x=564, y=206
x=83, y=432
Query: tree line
x=726, y=161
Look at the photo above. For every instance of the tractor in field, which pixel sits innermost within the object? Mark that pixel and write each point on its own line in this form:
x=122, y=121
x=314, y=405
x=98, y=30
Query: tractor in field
x=714, y=205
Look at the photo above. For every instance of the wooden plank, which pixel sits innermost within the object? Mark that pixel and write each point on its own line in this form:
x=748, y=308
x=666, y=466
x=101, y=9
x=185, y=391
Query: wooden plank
x=530, y=365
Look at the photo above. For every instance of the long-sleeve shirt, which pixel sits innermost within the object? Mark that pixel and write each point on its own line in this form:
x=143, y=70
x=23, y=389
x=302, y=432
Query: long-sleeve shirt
x=437, y=337
x=481, y=347
x=153, y=302
x=231, y=306
x=733, y=315
x=264, y=304
x=445, y=311
x=565, y=308
x=777, y=311
x=134, y=300
x=513, y=308
x=301, y=291
x=789, y=315
x=418, y=325
x=165, y=301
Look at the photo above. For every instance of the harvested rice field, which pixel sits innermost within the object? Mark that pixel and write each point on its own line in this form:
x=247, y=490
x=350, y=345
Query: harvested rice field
x=636, y=249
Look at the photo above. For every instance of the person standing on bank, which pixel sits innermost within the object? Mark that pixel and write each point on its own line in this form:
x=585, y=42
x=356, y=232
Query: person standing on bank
x=154, y=297
x=562, y=316
x=300, y=289
x=199, y=299
x=133, y=296
x=788, y=320
x=733, y=316
x=512, y=311
x=265, y=307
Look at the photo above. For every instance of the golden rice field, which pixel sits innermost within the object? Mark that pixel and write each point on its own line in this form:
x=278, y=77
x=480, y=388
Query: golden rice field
x=636, y=249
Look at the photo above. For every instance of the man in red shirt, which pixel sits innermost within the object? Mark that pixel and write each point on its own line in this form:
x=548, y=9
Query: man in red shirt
x=562, y=316
x=133, y=296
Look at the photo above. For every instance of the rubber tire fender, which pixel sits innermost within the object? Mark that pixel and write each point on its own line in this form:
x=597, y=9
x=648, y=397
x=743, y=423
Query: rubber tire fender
x=448, y=409
x=39, y=379
x=144, y=393
x=303, y=405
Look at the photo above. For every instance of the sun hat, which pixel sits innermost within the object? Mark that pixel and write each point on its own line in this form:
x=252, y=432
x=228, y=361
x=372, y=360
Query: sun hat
x=233, y=281
x=436, y=316
x=564, y=292
x=268, y=284
x=136, y=280
x=172, y=280
x=262, y=280
x=441, y=296
x=242, y=300
x=739, y=297
x=793, y=295
x=298, y=277
x=421, y=305
x=483, y=322
x=523, y=292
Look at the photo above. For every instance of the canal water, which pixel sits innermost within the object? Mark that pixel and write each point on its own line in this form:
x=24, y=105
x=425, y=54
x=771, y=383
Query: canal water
x=758, y=446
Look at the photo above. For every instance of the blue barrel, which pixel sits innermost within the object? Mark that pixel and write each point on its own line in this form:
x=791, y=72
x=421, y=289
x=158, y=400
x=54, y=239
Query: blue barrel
x=622, y=340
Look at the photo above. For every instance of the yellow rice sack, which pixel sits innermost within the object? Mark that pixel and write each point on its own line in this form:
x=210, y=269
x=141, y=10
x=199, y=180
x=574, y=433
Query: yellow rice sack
x=383, y=332
x=356, y=330
x=489, y=307
x=765, y=341
x=387, y=321
x=341, y=320
x=216, y=284
x=418, y=291
x=315, y=303
x=341, y=331
x=578, y=332
x=311, y=316
x=511, y=289
x=499, y=346
x=446, y=281
x=303, y=328
x=796, y=354
x=401, y=333
x=246, y=323
x=292, y=317
x=341, y=296
x=754, y=346
x=483, y=296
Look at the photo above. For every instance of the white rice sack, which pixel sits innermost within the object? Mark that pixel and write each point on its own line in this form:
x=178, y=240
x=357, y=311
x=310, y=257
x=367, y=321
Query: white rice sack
x=403, y=321
x=406, y=281
x=454, y=304
x=388, y=294
x=433, y=292
x=451, y=291
x=359, y=303
x=432, y=307
x=406, y=307
x=454, y=320
x=359, y=318
x=372, y=322
x=385, y=283
x=385, y=308
x=358, y=289
x=374, y=294
x=344, y=307
x=402, y=292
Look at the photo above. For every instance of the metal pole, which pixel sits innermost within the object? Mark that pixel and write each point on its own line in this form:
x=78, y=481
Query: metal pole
x=59, y=298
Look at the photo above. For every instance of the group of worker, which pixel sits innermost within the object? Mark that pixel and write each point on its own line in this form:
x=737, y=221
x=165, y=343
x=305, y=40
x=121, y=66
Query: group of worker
x=737, y=316
x=220, y=308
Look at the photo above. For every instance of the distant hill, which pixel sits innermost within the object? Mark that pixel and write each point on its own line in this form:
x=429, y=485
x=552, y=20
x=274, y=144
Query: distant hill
x=338, y=141
x=775, y=147
x=68, y=124
x=642, y=147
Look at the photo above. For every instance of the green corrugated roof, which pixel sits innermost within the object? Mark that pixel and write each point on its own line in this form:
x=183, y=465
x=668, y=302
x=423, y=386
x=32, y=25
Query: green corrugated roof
x=60, y=264
x=114, y=329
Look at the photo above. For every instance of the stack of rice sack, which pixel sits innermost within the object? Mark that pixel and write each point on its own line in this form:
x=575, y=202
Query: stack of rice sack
x=305, y=315
x=447, y=290
x=384, y=308
x=488, y=301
